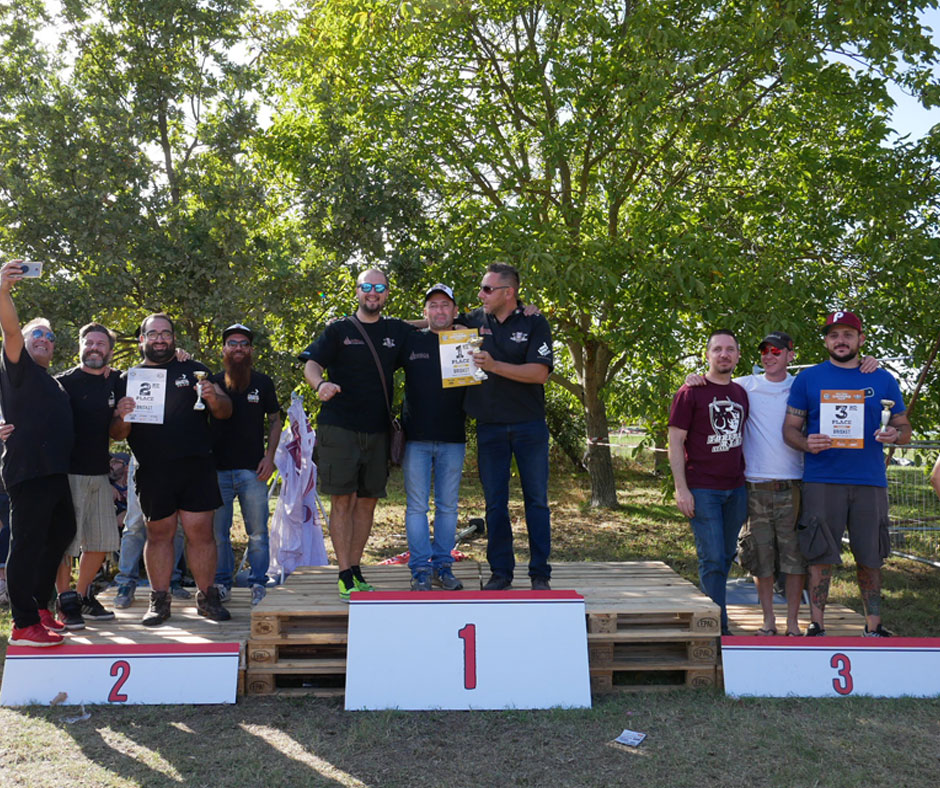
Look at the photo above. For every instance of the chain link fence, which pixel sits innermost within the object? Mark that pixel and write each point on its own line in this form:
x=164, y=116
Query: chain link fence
x=915, y=507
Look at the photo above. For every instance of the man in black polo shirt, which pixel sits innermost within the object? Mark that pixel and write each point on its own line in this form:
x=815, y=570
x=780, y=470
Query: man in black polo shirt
x=435, y=432
x=353, y=425
x=35, y=466
x=510, y=411
x=176, y=475
x=91, y=389
x=243, y=465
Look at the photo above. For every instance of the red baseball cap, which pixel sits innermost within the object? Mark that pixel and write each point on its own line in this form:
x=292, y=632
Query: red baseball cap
x=841, y=318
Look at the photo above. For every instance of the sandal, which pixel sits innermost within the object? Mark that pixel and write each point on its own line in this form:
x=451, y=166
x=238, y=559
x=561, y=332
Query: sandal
x=766, y=632
x=794, y=634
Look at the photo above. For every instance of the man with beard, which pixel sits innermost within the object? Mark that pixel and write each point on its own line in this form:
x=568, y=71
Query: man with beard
x=91, y=389
x=844, y=480
x=243, y=465
x=353, y=424
x=34, y=465
x=706, y=424
x=176, y=475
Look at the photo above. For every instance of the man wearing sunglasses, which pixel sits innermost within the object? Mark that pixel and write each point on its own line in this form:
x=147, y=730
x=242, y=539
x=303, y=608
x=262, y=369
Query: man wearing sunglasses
x=509, y=407
x=353, y=423
x=243, y=464
x=35, y=465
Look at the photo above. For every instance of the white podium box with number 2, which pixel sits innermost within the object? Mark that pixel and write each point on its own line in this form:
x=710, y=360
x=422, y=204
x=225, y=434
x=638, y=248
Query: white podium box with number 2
x=834, y=667
x=467, y=650
x=121, y=674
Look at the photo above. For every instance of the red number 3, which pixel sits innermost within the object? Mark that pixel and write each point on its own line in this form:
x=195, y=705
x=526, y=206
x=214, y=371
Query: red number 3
x=843, y=685
x=124, y=669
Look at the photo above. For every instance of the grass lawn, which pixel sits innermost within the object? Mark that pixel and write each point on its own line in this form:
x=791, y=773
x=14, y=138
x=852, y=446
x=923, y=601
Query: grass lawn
x=698, y=738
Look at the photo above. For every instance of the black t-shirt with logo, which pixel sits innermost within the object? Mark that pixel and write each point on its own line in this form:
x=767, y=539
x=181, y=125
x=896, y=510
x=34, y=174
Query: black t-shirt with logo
x=184, y=432
x=238, y=442
x=518, y=340
x=343, y=353
x=93, y=398
x=38, y=407
x=431, y=412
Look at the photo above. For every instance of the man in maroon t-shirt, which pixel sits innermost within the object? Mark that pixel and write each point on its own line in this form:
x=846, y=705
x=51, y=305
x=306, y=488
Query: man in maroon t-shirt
x=706, y=424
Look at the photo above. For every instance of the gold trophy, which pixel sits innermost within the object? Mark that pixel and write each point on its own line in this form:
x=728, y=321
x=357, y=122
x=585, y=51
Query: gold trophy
x=475, y=343
x=201, y=376
x=886, y=404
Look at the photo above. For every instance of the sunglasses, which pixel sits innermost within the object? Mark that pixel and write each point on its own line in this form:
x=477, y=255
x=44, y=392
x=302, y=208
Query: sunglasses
x=39, y=333
x=237, y=343
x=489, y=288
x=368, y=287
x=774, y=351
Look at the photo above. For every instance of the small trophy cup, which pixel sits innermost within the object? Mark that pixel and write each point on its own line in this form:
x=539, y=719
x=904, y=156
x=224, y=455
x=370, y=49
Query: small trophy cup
x=475, y=343
x=886, y=404
x=201, y=376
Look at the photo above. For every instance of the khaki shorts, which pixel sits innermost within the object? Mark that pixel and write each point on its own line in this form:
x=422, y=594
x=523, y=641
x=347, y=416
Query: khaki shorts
x=351, y=462
x=828, y=509
x=96, y=529
x=768, y=540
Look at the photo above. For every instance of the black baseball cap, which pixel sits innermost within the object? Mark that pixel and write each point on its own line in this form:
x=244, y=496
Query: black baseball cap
x=778, y=339
x=238, y=328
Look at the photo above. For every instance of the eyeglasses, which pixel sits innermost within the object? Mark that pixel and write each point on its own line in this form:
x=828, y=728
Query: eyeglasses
x=368, y=287
x=39, y=333
x=489, y=288
x=151, y=335
x=237, y=343
x=774, y=351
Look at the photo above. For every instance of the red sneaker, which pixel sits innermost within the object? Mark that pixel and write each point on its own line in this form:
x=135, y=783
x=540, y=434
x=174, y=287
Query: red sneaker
x=50, y=622
x=35, y=635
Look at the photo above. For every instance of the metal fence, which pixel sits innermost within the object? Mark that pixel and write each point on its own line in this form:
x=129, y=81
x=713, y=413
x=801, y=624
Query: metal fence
x=915, y=508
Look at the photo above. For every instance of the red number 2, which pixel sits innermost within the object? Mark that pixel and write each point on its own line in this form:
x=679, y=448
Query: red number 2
x=844, y=684
x=469, y=637
x=124, y=669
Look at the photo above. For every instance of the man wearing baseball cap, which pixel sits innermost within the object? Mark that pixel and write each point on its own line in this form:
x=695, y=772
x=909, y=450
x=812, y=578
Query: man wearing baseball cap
x=844, y=481
x=435, y=441
x=242, y=462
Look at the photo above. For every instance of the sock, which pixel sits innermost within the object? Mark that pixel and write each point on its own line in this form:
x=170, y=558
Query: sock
x=347, y=577
x=357, y=573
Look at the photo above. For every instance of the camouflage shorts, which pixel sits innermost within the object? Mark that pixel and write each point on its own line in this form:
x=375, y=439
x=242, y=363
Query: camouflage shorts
x=768, y=540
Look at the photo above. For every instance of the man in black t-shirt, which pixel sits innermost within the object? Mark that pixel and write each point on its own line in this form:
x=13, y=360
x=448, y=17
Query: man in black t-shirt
x=353, y=425
x=176, y=475
x=34, y=466
x=243, y=464
x=509, y=408
x=435, y=432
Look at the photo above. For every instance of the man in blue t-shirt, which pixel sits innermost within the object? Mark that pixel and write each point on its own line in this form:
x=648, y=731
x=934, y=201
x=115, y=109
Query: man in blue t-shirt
x=844, y=481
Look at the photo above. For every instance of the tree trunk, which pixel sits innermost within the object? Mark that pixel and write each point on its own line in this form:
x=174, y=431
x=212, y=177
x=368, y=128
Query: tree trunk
x=598, y=461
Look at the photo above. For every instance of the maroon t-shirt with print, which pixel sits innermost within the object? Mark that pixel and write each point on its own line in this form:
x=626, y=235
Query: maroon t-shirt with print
x=713, y=417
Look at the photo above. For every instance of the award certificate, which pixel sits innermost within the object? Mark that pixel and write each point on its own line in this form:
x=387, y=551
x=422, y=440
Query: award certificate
x=842, y=417
x=456, y=359
x=148, y=388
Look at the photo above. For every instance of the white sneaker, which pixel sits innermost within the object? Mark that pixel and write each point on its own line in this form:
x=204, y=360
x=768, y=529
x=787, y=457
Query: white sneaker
x=4, y=594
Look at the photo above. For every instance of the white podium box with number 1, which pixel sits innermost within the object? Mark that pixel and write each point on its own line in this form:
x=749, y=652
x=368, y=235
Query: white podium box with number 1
x=467, y=650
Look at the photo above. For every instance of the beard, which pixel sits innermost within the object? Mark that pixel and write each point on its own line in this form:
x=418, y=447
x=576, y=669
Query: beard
x=237, y=372
x=160, y=356
x=843, y=355
x=93, y=360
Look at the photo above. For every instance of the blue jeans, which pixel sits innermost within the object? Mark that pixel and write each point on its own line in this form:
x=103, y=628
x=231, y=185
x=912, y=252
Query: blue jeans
x=252, y=494
x=719, y=515
x=497, y=444
x=446, y=460
x=134, y=537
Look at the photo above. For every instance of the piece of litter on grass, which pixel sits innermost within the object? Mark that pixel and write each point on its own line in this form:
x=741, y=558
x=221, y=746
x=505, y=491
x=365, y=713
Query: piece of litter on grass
x=630, y=738
x=85, y=715
x=60, y=698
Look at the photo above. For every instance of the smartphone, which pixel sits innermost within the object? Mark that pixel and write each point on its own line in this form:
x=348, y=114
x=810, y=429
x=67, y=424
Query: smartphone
x=31, y=270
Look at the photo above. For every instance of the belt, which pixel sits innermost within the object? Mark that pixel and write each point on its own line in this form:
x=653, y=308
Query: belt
x=772, y=486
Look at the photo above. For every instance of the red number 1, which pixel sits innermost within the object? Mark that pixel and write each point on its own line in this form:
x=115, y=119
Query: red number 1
x=469, y=637
x=845, y=686
x=124, y=669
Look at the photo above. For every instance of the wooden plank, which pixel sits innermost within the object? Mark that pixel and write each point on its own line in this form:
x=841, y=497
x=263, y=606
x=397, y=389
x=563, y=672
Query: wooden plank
x=840, y=621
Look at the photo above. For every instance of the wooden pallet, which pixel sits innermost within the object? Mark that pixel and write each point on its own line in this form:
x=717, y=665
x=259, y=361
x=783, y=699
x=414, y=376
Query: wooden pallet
x=840, y=621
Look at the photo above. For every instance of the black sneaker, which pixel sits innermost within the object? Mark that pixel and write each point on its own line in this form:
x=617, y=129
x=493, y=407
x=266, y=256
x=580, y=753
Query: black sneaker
x=70, y=609
x=444, y=577
x=498, y=583
x=421, y=581
x=93, y=610
x=814, y=630
x=877, y=632
x=209, y=604
x=541, y=584
x=159, y=610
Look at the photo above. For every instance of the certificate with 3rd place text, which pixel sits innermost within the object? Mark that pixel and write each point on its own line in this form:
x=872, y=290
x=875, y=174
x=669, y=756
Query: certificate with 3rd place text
x=842, y=417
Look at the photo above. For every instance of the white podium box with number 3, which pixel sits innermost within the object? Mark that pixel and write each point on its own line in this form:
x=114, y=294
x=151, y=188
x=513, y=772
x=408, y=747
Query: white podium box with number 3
x=777, y=667
x=467, y=650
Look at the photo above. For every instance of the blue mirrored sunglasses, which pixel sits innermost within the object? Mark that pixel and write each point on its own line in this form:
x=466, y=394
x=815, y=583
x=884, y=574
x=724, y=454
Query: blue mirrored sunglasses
x=368, y=287
x=38, y=333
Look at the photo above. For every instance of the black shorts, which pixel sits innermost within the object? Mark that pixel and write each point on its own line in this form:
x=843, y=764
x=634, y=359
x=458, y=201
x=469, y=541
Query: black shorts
x=189, y=483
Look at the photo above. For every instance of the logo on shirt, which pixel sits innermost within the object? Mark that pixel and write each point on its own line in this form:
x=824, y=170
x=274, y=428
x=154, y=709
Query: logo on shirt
x=388, y=342
x=726, y=417
x=182, y=382
x=351, y=341
x=253, y=396
x=110, y=399
x=415, y=356
x=544, y=349
x=519, y=336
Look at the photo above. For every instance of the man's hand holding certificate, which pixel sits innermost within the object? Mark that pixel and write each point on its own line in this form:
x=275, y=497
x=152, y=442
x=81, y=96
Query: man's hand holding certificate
x=147, y=387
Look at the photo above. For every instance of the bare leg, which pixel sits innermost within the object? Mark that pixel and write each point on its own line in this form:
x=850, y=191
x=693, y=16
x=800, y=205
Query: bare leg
x=869, y=583
x=63, y=577
x=201, y=554
x=341, y=528
x=88, y=566
x=363, y=516
x=794, y=586
x=819, y=577
x=765, y=594
x=158, y=552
